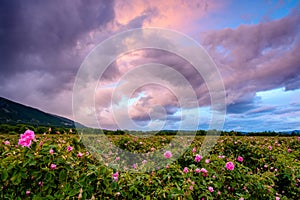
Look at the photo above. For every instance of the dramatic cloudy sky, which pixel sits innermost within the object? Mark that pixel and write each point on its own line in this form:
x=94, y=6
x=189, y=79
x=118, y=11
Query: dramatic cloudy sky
x=254, y=44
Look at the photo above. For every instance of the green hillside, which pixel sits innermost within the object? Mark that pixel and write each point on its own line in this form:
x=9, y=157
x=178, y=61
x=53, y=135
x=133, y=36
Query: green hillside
x=15, y=113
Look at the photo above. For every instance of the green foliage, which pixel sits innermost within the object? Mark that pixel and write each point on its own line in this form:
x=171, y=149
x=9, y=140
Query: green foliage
x=263, y=174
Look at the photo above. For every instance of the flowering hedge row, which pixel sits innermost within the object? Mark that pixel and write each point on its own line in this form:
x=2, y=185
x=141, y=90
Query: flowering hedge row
x=60, y=167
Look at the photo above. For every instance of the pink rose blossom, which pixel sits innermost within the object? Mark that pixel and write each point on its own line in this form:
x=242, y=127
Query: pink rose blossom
x=230, y=166
x=69, y=148
x=51, y=151
x=204, y=170
x=241, y=198
x=191, y=188
x=197, y=170
x=270, y=148
x=289, y=150
x=198, y=158
x=240, y=158
x=298, y=138
x=152, y=149
x=211, y=189
x=194, y=150
x=28, y=192
x=221, y=157
x=117, y=158
x=134, y=166
x=26, y=138
x=79, y=155
x=168, y=154
x=219, y=193
x=41, y=143
x=185, y=170
x=115, y=176
x=52, y=166
x=87, y=153
x=7, y=142
x=207, y=161
x=277, y=198
x=144, y=161
x=41, y=183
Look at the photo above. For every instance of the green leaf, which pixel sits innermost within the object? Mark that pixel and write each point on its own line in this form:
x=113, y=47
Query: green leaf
x=4, y=175
x=148, y=197
x=62, y=175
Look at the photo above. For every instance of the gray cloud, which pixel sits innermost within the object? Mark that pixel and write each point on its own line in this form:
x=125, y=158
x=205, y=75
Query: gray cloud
x=39, y=46
x=255, y=58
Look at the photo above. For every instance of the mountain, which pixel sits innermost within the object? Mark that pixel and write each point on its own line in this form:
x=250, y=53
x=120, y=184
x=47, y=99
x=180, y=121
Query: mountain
x=15, y=113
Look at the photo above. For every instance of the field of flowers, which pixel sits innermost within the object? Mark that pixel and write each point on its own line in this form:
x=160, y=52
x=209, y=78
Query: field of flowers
x=61, y=167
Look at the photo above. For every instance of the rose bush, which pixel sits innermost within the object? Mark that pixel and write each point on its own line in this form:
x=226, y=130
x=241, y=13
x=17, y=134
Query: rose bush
x=60, y=167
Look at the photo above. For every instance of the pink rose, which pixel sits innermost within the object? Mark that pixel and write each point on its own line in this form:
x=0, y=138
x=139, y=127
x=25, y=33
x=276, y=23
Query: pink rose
x=204, y=170
x=240, y=159
x=185, y=170
x=115, y=176
x=207, y=161
x=211, y=189
x=51, y=151
x=69, y=148
x=194, y=150
x=168, y=154
x=6, y=142
x=198, y=158
x=270, y=148
x=79, y=155
x=230, y=166
x=52, y=166
x=197, y=170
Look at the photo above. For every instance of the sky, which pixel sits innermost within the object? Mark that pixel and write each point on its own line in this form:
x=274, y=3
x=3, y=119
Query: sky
x=255, y=46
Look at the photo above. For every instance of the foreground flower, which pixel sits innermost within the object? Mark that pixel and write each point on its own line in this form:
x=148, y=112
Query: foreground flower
x=185, y=170
x=194, y=150
x=168, y=154
x=198, y=158
x=6, y=142
x=230, y=166
x=270, y=148
x=53, y=166
x=197, y=170
x=240, y=159
x=51, y=151
x=115, y=176
x=26, y=138
x=69, y=148
x=204, y=170
x=211, y=189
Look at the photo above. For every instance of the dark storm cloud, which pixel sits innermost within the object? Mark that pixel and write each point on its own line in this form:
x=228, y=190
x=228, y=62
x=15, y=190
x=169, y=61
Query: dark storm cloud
x=41, y=36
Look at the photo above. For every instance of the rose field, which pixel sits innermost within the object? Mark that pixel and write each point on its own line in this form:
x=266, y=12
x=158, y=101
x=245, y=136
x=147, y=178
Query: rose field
x=61, y=166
